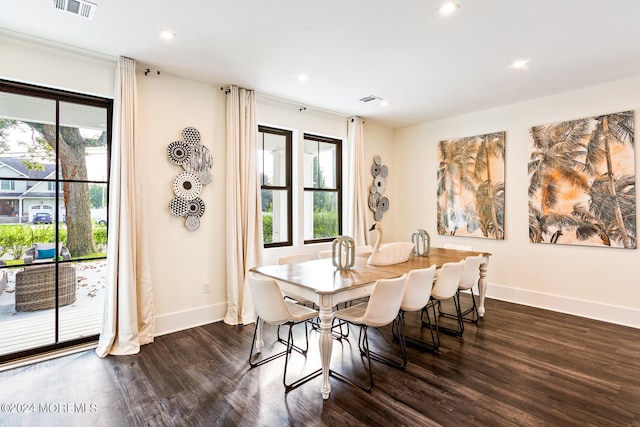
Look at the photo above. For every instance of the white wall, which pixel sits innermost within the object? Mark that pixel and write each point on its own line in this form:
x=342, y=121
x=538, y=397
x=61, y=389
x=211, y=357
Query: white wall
x=182, y=260
x=58, y=67
x=594, y=282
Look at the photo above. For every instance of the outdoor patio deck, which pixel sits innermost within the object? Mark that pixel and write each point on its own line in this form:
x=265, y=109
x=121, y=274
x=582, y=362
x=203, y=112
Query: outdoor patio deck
x=21, y=331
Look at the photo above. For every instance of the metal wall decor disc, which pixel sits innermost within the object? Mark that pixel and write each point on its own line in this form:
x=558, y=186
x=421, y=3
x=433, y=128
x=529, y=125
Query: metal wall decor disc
x=373, y=201
x=178, y=152
x=200, y=159
x=377, y=216
x=375, y=170
x=205, y=177
x=377, y=160
x=191, y=135
x=195, y=207
x=373, y=189
x=383, y=204
x=192, y=223
x=187, y=185
x=380, y=183
x=179, y=206
x=384, y=171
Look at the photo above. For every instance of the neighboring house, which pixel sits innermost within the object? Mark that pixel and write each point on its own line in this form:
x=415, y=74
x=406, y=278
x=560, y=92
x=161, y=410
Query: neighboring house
x=22, y=198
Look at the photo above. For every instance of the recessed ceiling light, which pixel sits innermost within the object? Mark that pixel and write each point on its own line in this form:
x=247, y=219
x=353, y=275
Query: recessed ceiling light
x=521, y=64
x=384, y=103
x=167, y=35
x=448, y=7
x=303, y=77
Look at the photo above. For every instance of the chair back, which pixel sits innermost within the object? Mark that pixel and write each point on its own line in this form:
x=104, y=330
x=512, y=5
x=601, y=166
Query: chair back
x=268, y=300
x=365, y=249
x=384, y=302
x=448, y=280
x=457, y=247
x=417, y=289
x=293, y=259
x=470, y=272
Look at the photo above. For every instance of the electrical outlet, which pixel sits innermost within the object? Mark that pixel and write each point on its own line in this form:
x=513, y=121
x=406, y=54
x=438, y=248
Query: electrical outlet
x=206, y=288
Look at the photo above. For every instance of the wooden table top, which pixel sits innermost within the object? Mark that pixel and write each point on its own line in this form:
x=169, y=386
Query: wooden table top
x=322, y=277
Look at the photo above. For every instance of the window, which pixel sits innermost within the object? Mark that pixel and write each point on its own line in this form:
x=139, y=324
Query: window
x=322, y=168
x=274, y=158
x=7, y=185
x=54, y=149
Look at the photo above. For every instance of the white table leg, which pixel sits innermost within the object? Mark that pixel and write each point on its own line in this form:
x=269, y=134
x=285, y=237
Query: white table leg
x=259, y=339
x=482, y=285
x=325, y=342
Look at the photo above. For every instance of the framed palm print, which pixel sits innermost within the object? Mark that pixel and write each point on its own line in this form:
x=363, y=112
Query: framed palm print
x=471, y=186
x=582, y=185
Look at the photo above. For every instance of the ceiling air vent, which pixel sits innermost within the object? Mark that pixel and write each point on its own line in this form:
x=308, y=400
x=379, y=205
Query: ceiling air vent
x=369, y=98
x=81, y=8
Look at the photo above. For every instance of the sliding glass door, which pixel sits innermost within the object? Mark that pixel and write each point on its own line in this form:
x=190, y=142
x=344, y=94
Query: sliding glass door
x=54, y=181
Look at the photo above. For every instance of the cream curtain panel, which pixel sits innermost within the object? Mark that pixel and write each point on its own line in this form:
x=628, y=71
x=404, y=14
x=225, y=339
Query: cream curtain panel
x=244, y=215
x=357, y=187
x=128, y=313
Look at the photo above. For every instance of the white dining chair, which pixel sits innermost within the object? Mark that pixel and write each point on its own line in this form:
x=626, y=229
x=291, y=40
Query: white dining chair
x=444, y=288
x=364, y=249
x=325, y=254
x=381, y=310
x=457, y=247
x=417, y=293
x=468, y=279
x=293, y=259
x=273, y=309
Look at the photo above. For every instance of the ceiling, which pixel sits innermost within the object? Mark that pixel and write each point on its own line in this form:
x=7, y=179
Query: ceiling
x=426, y=65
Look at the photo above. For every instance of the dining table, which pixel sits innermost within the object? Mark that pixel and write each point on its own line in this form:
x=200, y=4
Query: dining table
x=320, y=282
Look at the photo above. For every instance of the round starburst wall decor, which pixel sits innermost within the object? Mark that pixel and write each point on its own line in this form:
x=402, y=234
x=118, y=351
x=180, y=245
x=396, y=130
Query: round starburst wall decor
x=196, y=161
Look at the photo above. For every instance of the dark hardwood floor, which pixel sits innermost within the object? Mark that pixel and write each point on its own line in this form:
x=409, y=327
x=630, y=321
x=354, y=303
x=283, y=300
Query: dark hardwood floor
x=519, y=366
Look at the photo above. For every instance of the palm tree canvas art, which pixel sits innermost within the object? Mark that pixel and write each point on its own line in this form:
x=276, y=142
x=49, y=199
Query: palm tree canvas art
x=582, y=182
x=471, y=186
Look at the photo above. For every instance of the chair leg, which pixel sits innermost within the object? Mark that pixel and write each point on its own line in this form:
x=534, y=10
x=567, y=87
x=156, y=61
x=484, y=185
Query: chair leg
x=295, y=347
x=363, y=345
x=457, y=316
x=433, y=328
x=456, y=302
x=263, y=361
x=398, y=325
x=290, y=346
x=473, y=310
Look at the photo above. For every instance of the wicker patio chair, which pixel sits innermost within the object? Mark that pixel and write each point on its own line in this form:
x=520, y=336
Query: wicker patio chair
x=32, y=254
x=36, y=287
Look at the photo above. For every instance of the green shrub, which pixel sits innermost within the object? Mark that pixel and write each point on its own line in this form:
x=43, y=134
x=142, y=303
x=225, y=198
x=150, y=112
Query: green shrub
x=267, y=227
x=325, y=224
x=100, y=234
x=16, y=239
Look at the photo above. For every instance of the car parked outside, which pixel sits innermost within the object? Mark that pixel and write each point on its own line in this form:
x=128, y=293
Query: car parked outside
x=42, y=218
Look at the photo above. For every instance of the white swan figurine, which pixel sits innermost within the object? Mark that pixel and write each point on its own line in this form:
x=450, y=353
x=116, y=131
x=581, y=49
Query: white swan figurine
x=389, y=253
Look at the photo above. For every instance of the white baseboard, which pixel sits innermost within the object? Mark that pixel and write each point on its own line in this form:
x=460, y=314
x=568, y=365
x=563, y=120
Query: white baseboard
x=589, y=309
x=179, y=321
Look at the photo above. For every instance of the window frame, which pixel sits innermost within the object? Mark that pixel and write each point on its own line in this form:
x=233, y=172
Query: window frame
x=60, y=96
x=288, y=187
x=338, y=182
x=10, y=184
